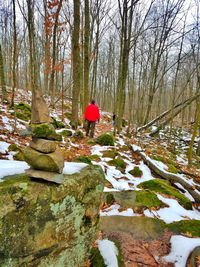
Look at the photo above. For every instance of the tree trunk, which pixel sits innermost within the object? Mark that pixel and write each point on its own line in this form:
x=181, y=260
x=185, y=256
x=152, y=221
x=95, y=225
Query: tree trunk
x=76, y=64
x=52, y=76
x=86, y=55
x=2, y=78
x=40, y=113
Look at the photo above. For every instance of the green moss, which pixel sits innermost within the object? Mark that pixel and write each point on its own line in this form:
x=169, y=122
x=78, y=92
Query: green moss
x=84, y=159
x=66, y=133
x=105, y=140
x=119, y=163
x=119, y=256
x=148, y=199
x=91, y=142
x=19, y=156
x=13, y=179
x=186, y=227
x=13, y=147
x=78, y=134
x=110, y=153
x=95, y=158
x=163, y=187
x=110, y=199
x=136, y=172
x=57, y=124
x=46, y=131
x=96, y=259
x=172, y=168
x=23, y=111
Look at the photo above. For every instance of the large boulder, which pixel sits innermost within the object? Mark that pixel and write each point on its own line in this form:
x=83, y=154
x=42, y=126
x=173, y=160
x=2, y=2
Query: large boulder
x=52, y=162
x=43, y=224
x=45, y=131
x=43, y=145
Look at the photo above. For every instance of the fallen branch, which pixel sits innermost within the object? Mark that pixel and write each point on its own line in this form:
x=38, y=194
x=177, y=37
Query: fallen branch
x=165, y=113
x=173, y=178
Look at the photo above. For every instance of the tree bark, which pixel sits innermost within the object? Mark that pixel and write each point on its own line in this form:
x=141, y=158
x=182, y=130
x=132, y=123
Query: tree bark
x=2, y=78
x=76, y=64
x=86, y=55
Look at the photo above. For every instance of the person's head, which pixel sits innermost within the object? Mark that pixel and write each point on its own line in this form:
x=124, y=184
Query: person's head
x=92, y=101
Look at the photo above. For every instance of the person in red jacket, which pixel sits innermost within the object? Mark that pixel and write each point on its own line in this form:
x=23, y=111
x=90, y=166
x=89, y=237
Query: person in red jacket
x=91, y=116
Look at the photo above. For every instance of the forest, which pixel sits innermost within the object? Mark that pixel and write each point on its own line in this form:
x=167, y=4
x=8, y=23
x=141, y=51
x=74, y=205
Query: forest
x=140, y=61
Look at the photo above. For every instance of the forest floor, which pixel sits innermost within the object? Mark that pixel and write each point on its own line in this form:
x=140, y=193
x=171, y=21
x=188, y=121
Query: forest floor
x=164, y=216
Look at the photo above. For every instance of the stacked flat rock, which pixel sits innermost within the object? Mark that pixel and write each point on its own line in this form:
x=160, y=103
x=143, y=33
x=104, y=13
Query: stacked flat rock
x=41, y=154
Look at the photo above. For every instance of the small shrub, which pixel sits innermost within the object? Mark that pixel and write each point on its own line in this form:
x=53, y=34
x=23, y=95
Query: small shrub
x=105, y=140
x=136, y=172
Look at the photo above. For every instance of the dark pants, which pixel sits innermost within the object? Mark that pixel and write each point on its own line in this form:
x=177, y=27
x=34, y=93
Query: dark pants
x=90, y=126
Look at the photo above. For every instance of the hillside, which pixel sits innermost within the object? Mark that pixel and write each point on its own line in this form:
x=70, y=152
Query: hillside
x=151, y=198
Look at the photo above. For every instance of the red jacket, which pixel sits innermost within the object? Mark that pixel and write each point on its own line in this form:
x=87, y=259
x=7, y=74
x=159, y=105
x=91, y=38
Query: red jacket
x=92, y=113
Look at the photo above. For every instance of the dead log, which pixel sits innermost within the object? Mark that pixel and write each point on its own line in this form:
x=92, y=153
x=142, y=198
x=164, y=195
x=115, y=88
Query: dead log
x=165, y=113
x=173, y=178
x=174, y=115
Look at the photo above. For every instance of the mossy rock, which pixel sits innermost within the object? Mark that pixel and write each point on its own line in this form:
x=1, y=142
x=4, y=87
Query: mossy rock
x=110, y=198
x=105, y=140
x=189, y=227
x=124, y=148
x=164, y=187
x=45, y=131
x=148, y=199
x=83, y=159
x=13, y=147
x=91, y=142
x=110, y=154
x=95, y=158
x=137, y=200
x=136, y=172
x=119, y=163
x=66, y=133
x=96, y=259
x=23, y=111
x=19, y=156
x=78, y=134
x=57, y=124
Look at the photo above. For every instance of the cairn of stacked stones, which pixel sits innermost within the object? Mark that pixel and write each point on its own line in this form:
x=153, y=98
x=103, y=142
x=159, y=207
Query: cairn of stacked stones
x=42, y=154
x=45, y=160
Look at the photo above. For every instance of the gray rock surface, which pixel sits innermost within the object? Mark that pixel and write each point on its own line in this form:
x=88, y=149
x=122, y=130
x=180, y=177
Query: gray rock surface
x=43, y=145
x=48, y=176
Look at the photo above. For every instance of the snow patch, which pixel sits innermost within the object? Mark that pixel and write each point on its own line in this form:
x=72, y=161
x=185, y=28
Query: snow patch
x=181, y=247
x=109, y=252
x=12, y=167
x=73, y=167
